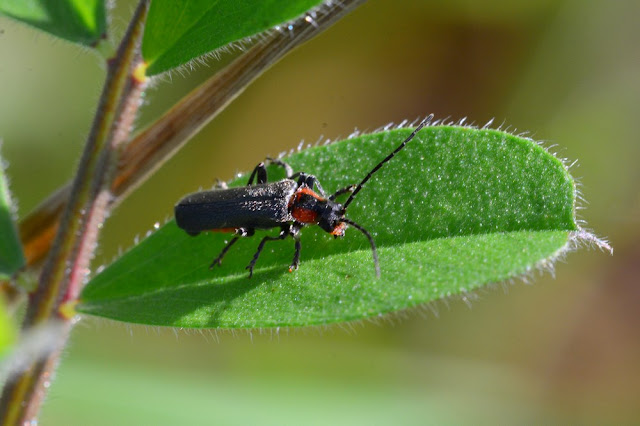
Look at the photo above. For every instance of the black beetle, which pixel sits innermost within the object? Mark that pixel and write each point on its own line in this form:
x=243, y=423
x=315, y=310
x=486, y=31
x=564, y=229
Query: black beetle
x=289, y=204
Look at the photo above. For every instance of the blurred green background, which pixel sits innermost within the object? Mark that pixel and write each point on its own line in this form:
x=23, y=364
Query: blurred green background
x=565, y=350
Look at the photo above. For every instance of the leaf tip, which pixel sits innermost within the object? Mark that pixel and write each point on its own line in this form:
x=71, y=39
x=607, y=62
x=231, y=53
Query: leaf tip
x=584, y=237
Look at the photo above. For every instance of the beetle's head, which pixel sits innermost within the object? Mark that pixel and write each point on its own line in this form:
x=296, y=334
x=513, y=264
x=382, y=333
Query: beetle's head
x=334, y=221
x=331, y=218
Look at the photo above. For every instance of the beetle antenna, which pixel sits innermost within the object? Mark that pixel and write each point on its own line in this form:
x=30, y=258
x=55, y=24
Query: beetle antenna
x=373, y=244
x=424, y=122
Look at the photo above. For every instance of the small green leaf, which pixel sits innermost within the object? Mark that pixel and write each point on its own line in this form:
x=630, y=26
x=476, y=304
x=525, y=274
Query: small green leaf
x=457, y=209
x=180, y=31
x=11, y=255
x=79, y=21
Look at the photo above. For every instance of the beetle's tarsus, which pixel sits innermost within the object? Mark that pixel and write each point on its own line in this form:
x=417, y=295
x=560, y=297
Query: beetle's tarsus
x=216, y=261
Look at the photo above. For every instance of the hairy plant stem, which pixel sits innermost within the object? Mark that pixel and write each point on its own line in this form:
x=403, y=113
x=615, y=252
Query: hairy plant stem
x=158, y=142
x=89, y=201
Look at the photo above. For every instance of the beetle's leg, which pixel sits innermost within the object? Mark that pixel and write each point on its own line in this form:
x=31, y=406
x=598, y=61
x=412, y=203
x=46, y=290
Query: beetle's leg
x=295, y=233
x=287, y=168
x=220, y=184
x=284, y=233
x=345, y=190
x=312, y=180
x=218, y=260
x=309, y=181
x=261, y=172
x=245, y=232
x=240, y=232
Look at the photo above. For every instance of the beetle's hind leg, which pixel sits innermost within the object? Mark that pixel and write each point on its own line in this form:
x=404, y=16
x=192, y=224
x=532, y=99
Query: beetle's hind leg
x=259, y=173
x=284, y=233
x=240, y=232
x=218, y=260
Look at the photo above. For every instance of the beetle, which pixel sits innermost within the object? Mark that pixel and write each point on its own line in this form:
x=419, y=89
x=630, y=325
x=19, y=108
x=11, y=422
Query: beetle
x=290, y=204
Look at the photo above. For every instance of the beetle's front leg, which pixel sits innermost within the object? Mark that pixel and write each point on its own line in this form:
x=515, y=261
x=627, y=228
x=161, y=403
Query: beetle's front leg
x=309, y=181
x=345, y=190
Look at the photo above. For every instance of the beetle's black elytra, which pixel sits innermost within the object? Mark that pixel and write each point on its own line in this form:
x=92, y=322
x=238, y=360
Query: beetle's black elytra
x=289, y=204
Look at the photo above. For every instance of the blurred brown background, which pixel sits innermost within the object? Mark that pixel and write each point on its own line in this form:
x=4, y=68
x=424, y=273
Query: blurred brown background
x=565, y=350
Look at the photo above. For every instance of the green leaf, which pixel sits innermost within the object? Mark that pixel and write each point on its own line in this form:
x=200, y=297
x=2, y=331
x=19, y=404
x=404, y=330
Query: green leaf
x=79, y=21
x=458, y=209
x=11, y=255
x=180, y=31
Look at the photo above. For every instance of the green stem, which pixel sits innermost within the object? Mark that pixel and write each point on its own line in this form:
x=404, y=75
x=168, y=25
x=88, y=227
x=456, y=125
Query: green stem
x=63, y=274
